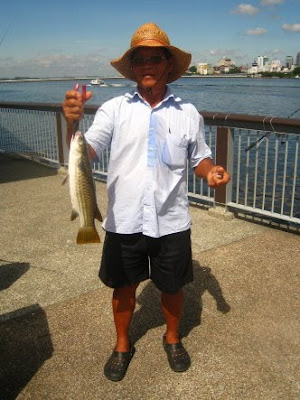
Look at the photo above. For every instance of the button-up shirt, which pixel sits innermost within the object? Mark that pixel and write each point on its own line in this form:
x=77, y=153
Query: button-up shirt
x=147, y=171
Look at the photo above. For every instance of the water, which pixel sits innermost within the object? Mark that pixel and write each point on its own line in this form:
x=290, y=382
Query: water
x=269, y=97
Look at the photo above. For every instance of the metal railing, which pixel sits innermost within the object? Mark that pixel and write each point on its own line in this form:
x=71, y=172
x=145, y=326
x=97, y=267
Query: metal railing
x=260, y=153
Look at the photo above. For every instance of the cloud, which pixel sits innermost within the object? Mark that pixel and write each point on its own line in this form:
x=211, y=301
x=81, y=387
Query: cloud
x=271, y=2
x=291, y=27
x=221, y=52
x=256, y=31
x=215, y=54
x=56, y=65
x=247, y=9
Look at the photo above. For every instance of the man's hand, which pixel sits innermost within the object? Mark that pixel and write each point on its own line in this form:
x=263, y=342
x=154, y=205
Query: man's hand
x=217, y=176
x=214, y=174
x=73, y=105
x=73, y=110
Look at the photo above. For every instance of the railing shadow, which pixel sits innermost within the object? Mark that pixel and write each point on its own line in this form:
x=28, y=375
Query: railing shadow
x=25, y=344
x=14, y=167
x=149, y=315
x=11, y=272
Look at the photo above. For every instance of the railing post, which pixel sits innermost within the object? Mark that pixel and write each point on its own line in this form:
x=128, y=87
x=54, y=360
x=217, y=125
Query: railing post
x=224, y=157
x=61, y=132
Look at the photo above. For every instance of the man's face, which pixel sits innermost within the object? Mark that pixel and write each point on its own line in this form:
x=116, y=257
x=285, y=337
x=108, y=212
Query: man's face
x=151, y=67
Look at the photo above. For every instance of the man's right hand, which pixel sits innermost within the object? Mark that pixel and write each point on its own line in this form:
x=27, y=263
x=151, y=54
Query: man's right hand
x=73, y=110
x=73, y=105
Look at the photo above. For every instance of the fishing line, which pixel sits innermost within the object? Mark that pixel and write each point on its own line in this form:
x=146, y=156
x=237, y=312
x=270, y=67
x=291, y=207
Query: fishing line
x=5, y=33
x=265, y=135
x=293, y=113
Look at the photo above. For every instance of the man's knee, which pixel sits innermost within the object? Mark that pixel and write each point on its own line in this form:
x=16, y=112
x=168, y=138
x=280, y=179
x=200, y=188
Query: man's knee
x=126, y=291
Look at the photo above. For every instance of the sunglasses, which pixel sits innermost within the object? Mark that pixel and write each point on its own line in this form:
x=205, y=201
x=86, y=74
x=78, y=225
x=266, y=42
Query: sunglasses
x=140, y=61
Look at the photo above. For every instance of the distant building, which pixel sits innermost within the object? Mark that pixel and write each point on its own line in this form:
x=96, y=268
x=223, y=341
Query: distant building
x=298, y=60
x=253, y=69
x=289, y=61
x=275, y=66
x=225, y=62
x=262, y=63
x=244, y=68
x=202, y=68
x=224, y=65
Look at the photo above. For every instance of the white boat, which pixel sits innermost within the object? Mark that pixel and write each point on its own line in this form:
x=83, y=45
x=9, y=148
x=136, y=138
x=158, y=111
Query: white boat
x=97, y=82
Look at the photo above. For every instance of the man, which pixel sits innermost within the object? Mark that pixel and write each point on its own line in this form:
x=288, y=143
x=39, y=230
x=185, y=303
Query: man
x=152, y=133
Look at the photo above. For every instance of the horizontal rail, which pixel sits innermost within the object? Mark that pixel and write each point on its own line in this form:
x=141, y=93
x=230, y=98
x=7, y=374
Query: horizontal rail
x=261, y=154
x=256, y=122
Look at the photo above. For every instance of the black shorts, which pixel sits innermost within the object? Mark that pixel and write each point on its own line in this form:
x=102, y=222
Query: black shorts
x=130, y=259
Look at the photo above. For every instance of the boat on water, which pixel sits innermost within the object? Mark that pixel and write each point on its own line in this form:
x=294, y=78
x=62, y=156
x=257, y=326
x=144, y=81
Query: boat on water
x=97, y=82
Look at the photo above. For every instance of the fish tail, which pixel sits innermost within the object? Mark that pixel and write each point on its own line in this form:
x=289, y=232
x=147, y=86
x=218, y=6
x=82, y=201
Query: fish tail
x=87, y=234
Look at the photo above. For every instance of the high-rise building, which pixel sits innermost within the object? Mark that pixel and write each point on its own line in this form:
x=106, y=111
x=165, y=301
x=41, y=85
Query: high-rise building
x=298, y=60
x=289, y=61
x=262, y=62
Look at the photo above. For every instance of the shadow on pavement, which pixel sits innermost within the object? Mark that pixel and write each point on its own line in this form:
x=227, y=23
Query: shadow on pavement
x=25, y=344
x=16, y=168
x=11, y=272
x=150, y=316
x=204, y=281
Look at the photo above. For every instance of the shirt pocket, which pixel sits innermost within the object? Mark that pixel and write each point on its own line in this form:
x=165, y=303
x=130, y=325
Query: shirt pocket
x=174, y=151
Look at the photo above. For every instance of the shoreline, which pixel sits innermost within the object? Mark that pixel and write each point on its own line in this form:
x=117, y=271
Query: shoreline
x=58, y=79
x=52, y=79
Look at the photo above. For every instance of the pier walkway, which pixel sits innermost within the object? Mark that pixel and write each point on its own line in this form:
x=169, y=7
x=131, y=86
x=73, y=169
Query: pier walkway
x=241, y=321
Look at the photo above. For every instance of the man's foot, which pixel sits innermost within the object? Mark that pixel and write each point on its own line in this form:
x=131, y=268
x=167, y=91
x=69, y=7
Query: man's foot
x=178, y=357
x=117, y=364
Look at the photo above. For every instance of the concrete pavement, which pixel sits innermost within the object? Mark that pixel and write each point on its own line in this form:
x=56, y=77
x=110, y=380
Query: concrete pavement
x=241, y=320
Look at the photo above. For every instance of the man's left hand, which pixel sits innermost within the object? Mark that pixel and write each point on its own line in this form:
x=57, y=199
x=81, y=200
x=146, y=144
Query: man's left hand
x=217, y=176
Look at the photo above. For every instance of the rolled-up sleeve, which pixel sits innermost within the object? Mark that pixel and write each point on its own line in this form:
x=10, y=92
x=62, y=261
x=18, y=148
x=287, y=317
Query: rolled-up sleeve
x=100, y=133
x=198, y=150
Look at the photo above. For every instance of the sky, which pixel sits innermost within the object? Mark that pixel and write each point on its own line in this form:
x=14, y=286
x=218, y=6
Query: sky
x=60, y=38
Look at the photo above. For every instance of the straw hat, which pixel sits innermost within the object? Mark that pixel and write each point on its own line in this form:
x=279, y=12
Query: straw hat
x=151, y=35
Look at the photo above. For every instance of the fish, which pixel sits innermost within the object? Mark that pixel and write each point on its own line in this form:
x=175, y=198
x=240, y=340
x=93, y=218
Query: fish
x=82, y=190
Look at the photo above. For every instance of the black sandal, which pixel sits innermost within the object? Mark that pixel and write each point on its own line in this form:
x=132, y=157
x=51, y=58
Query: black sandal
x=178, y=357
x=117, y=364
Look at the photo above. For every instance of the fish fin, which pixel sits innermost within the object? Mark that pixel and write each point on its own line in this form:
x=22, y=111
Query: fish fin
x=98, y=215
x=65, y=180
x=74, y=214
x=87, y=235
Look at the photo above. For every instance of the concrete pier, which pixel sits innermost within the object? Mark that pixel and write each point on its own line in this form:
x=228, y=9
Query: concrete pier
x=240, y=325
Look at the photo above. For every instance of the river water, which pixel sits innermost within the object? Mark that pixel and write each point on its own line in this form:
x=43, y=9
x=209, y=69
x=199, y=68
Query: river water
x=269, y=97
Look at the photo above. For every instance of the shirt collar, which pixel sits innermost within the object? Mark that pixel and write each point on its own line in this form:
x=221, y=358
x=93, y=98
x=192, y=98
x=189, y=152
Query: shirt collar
x=168, y=95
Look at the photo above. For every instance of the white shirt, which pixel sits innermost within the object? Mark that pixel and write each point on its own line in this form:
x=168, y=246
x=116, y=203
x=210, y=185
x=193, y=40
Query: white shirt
x=147, y=172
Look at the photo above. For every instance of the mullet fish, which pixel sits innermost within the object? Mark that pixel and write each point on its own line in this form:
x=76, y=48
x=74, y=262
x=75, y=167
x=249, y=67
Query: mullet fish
x=82, y=191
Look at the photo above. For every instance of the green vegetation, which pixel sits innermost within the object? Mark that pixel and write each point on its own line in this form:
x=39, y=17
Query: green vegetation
x=296, y=71
x=234, y=70
x=291, y=74
x=193, y=69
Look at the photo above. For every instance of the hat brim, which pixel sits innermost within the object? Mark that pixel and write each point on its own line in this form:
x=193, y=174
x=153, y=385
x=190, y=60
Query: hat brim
x=180, y=58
